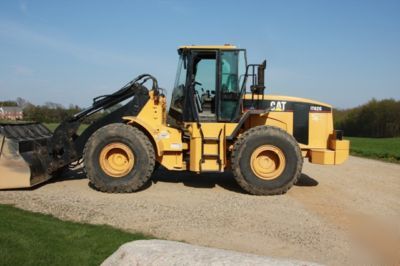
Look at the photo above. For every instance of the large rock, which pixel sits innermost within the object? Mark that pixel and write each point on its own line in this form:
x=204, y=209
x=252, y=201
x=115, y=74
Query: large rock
x=163, y=252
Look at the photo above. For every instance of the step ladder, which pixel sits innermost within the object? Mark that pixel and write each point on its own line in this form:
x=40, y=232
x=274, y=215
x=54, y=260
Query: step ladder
x=216, y=156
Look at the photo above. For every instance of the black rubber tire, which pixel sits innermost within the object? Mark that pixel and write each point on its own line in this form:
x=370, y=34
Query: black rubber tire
x=251, y=140
x=141, y=147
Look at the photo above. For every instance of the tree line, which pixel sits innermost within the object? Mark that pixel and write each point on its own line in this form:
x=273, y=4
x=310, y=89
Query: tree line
x=50, y=112
x=377, y=119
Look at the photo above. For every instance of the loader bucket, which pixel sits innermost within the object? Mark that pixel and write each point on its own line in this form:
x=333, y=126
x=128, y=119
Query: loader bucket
x=23, y=153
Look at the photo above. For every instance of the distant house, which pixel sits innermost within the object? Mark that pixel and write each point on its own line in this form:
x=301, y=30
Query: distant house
x=11, y=113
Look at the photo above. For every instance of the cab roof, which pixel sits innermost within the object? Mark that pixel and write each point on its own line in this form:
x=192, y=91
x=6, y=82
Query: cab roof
x=211, y=47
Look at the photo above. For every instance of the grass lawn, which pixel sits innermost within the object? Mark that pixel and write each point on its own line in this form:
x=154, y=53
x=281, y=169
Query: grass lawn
x=387, y=149
x=52, y=127
x=28, y=238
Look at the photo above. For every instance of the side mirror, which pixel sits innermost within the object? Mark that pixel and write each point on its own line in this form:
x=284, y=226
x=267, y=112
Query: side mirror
x=261, y=75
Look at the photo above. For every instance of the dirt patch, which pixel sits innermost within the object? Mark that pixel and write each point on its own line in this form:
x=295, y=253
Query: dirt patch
x=329, y=217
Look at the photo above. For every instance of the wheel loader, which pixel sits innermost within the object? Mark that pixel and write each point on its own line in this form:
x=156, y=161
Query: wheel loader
x=219, y=119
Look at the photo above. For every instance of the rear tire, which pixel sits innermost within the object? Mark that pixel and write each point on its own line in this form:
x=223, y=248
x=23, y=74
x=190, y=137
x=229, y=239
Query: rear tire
x=266, y=161
x=118, y=158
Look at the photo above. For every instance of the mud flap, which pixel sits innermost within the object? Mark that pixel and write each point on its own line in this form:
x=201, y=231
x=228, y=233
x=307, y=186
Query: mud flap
x=23, y=154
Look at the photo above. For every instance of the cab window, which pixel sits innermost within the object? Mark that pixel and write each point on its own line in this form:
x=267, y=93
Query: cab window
x=205, y=77
x=180, y=81
x=233, y=68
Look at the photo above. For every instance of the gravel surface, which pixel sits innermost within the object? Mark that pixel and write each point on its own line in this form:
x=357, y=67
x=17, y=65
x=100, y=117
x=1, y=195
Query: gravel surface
x=335, y=215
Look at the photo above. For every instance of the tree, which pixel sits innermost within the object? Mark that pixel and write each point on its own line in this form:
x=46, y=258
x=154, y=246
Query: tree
x=8, y=103
x=373, y=119
x=21, y=102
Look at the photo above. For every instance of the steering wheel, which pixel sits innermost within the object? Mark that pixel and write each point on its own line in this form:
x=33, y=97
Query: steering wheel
x=197, y=98
x=198, y=102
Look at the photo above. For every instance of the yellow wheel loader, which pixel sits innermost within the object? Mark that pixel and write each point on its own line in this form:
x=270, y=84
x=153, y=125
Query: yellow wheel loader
x=219, y=119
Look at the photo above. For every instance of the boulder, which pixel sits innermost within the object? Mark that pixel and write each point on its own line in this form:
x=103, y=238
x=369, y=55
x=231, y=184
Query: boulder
x=163, y=252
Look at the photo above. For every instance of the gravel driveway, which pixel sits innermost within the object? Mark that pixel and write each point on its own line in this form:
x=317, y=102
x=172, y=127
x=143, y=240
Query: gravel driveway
x=334, y=215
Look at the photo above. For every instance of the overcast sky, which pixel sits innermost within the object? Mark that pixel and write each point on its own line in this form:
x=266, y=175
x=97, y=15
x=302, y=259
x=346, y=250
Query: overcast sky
x=340, y=52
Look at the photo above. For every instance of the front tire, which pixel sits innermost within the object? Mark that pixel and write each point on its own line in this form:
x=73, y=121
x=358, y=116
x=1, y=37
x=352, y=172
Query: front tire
x=118, y=158
x=266, y=161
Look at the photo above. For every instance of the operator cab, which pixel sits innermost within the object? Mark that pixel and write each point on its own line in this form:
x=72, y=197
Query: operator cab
x=209, y=84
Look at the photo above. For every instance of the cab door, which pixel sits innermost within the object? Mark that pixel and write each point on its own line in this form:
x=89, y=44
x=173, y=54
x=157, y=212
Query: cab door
x=232, y=77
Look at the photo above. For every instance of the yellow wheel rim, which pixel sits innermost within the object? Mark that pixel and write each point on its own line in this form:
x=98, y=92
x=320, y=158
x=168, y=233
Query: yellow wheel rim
x=267, y=162
x=116, y=160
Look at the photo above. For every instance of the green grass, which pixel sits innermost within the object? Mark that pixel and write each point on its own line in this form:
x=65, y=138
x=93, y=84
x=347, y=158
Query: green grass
x=28, y=238
x=53, y=126
x=387, y=149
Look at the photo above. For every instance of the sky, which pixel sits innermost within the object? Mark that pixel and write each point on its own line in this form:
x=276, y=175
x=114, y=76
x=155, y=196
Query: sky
x=340, y=52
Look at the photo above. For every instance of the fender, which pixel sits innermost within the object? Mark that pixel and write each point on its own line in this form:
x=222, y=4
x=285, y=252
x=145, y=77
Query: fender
x=243, y=119
x=272, y=121
x=151, y=131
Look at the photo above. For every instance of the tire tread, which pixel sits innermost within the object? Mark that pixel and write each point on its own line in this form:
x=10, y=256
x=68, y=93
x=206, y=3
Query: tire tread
x=126, y=130
x=235, y=160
